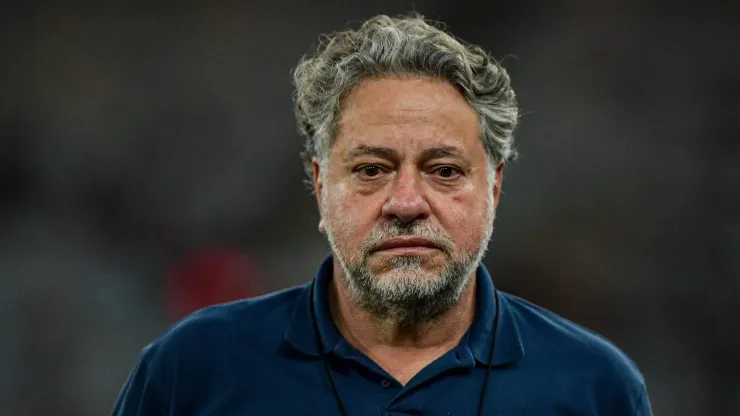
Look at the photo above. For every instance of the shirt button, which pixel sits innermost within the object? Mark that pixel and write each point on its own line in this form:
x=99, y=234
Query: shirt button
x=385, y=384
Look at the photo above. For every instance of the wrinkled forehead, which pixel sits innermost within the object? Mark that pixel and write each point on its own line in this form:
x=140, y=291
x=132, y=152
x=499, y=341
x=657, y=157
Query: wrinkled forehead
x=407, y=116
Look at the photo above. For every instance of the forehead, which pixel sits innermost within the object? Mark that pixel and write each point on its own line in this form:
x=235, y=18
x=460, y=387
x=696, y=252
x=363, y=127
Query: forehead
x=408, y=114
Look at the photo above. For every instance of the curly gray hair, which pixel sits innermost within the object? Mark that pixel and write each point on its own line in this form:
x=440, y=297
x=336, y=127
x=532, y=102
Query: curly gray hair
x=402, y=46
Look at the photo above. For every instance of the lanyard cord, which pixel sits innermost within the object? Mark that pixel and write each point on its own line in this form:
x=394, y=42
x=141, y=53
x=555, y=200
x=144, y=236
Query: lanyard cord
x=333, y=386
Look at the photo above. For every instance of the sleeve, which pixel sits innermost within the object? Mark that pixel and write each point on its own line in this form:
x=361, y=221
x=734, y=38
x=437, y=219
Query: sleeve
x=141, y=395
x=642, y=406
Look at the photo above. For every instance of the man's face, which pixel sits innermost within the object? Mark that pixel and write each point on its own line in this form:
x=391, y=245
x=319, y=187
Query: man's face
x=406, y=199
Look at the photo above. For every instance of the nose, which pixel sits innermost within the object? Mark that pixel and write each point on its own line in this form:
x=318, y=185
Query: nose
x=407, y=201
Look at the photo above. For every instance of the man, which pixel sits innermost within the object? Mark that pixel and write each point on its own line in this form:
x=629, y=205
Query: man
x=408, y=132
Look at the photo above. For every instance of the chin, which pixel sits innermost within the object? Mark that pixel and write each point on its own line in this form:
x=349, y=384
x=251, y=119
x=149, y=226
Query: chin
x=426, y=261
x=402, y=266
x=408, y=274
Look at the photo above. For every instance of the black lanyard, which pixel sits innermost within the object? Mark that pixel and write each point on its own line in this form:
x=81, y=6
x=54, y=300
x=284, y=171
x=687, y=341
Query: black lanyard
x=338, y=399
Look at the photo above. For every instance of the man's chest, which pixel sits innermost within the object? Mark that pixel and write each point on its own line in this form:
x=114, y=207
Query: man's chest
x=308, y=392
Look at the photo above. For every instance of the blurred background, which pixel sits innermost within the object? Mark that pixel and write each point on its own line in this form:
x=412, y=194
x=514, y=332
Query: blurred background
x=149, y=166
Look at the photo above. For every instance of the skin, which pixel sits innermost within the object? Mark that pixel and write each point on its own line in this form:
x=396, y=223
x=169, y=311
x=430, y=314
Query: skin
x=408, y=180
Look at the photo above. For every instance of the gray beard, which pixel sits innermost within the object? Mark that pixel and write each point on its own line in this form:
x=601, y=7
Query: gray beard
x=408, y=299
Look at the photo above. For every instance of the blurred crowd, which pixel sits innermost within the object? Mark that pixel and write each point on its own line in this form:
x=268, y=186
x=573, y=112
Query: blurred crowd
x=149, y=166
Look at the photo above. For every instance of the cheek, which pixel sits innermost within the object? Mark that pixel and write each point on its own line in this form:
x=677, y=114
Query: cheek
x=465, y=218
x=350, y=216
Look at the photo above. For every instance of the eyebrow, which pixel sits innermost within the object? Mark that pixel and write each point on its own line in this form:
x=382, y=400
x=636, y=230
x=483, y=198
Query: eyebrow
x=441, y=152
x=382, y=152
x=391, y=154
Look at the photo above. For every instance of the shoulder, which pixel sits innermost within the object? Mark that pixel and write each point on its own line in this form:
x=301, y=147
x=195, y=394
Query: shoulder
x=233, y=318
x=206, y=353
x=575, y=354
x=546, y=333
x=219, y=330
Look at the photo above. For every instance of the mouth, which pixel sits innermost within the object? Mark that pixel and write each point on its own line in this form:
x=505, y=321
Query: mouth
x=407, y=246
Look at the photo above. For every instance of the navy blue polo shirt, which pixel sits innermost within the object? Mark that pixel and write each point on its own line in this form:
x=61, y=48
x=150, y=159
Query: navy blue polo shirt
x=260, y=357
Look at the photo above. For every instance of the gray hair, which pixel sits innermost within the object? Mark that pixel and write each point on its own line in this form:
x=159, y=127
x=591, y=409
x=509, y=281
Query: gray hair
x=403, y=46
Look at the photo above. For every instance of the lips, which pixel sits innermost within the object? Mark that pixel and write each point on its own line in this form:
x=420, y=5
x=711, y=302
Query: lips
x=407, y=243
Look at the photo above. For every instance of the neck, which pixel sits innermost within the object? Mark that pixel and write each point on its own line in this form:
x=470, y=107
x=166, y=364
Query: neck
x=399, y=349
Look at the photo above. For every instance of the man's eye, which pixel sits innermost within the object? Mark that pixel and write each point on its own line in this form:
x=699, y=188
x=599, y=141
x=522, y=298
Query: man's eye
x=370, y=171
x=447, y=172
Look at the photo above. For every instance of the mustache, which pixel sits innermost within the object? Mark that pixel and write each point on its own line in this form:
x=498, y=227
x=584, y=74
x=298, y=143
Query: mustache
x=407, y=229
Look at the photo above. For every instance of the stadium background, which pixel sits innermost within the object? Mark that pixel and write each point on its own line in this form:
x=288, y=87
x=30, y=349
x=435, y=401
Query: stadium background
x=149, y=165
